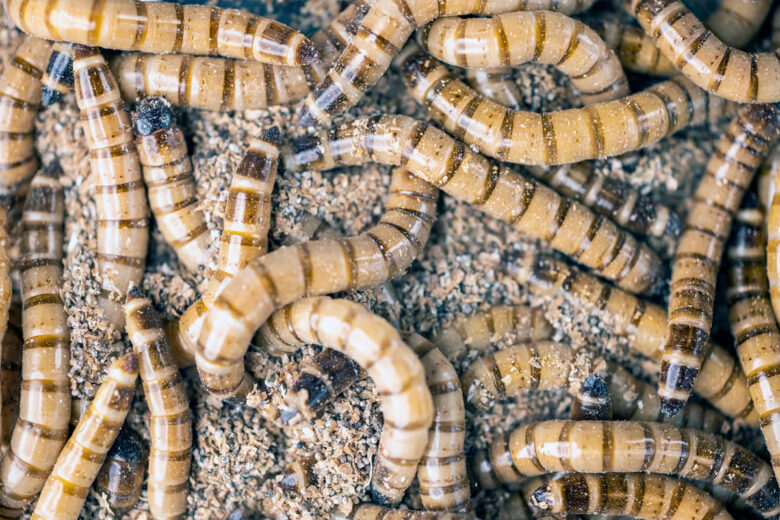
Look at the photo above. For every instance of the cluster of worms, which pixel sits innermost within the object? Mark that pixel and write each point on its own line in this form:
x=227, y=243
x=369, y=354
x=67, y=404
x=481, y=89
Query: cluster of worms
x=652, y=444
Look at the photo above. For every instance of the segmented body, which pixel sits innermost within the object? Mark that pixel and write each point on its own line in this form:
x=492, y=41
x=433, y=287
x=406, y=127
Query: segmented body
x=11, y=374
x=79, y=462
x=592, y=401
x=171, y=419
x=58, y=78
x=729, y=172
x=6, y=290
x=163, y=27
x=636, y=50
x=736, y=22
x=122, y=474
x=767, y=174
x=496, y=83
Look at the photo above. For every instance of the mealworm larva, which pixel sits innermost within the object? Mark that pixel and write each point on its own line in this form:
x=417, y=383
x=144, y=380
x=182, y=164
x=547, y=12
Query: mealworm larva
x=518, y=323
x=375, y=512
x=311, y=268
x=729, y=172
x=703, y=58
x=44, y=410
x=77, y=409
x=20, y=96
x=120, y=197
x=766, y=178
x=736, y=22
x=636, y=50
x=244, y=235
x=382, y=33
x=122, y=474
x=11, y=374
x=649, y=497
x=58, y=78
x=497, y=84
x=569, y=136
x=592, y=401
x=541, y=36
x=171, y=419
x=753, y=324
x=6, y=290
x=80, y=460
x=627, y=446
x=499, y=191
x=162, y=28
x=298, y=476
x=444, y=484
x=721, y=381
x=167, y=172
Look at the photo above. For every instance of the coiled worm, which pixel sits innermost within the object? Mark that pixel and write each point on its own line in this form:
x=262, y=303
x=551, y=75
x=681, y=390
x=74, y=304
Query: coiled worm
x=496, y=83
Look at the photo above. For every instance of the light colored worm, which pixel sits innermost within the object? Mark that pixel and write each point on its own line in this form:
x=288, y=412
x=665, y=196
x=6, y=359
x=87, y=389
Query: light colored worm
x=122, y=475
x=375, y=512
x=58, y=78
x=6, y=290
x=80, y=460
x=721, y=381
x=120, y=197
x=169, y=407
x=167, y=172
x=592, y=401
x=44, y=410
x=728, y=174
x=497, y=84
x=531, y=36
x=772, y=165
x=163, y=27
x=636, y=50
x=736, y=22
x=11, y=374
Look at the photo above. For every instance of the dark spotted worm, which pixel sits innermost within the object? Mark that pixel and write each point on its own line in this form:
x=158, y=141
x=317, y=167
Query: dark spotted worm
x=592, y=401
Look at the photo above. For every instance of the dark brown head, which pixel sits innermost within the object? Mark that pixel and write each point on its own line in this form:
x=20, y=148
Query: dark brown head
x=153, y=114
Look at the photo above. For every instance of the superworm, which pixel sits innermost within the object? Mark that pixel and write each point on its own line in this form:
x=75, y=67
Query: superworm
x=729, y=172
x=44, y=409
x=58, y=78
x=592, y=401
x=646, y=497
x=540, y=36
x=627, y=446
x=167, y=172
x=122, y=474
x=162, y=28
x=497, y=84
x=311, y=268
x=244, y=234
x=564, y=136
x=636, y=50
x=20, y=97
x=80, y=460
x=11, y=373
x=376, y=512
x=773, y=229
x=753, y=324
x=120, y=197
x=170, y=448
x=712, y=65
x=499, y=191
x=721, y=381
x=736, y=22
x=380, y=36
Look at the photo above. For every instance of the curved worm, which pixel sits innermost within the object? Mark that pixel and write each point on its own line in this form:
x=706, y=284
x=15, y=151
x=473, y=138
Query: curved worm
x=729, y=172
x=162, y=28
x=627, y=446
x=592, y=401
x=11, y=374
x=80, y=460
x=736, y=22
x=122, y=474
x=58, y=78
x=167, y=172
x=540, y=36
x=703, y=58
x=122, y=213
x=44, y=409
x=721, y=381
x=636, y=50
x=20, y=97
x=497, y=84
x=502, y=193
x=564, y=136
x=375, y=512
x=773, y=228
x=310, y=268
x=171, y=419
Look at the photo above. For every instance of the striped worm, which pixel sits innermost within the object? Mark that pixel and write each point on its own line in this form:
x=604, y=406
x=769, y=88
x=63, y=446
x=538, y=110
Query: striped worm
x=766, y=178
x=772, y=165
x=721, y=381
x=167, y=172
x=712, y=65
x=496, y=83
x=44, y=409
x=244, y=235
x=58, y=78
x=736, y=22
x=499, y=191
x=20, y=96
x=298, y=476
x=170, y=448
x=383, y=32
x=311, y=268
x=647, y=497
x=120, y=197
x=77, y=409
x=592, y=401
x=564, y=136
x=540, y=36
x=375, y=512
x=122, y=474
x=636, y=50
x=729, y=172
x=162, y=28
x=753, y=324
x=515, y=323
x=11, y=374
x=80, y=460
x=6, y=289
x=627, y=446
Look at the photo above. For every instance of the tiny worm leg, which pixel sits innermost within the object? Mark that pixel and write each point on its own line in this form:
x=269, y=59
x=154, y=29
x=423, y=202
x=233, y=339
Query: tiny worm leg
x=736, y=22
x=122, y=474
x=592, y=401
x=497, y=84
x=58, y=78
x=636, y=50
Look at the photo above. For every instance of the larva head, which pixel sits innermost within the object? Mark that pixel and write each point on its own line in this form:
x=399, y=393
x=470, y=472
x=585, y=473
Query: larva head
x=762, y=120
x=60, y=71
x=153, y=114
x=541, y=498
x=304, y=152
x=272, y=135
x=420, y=71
